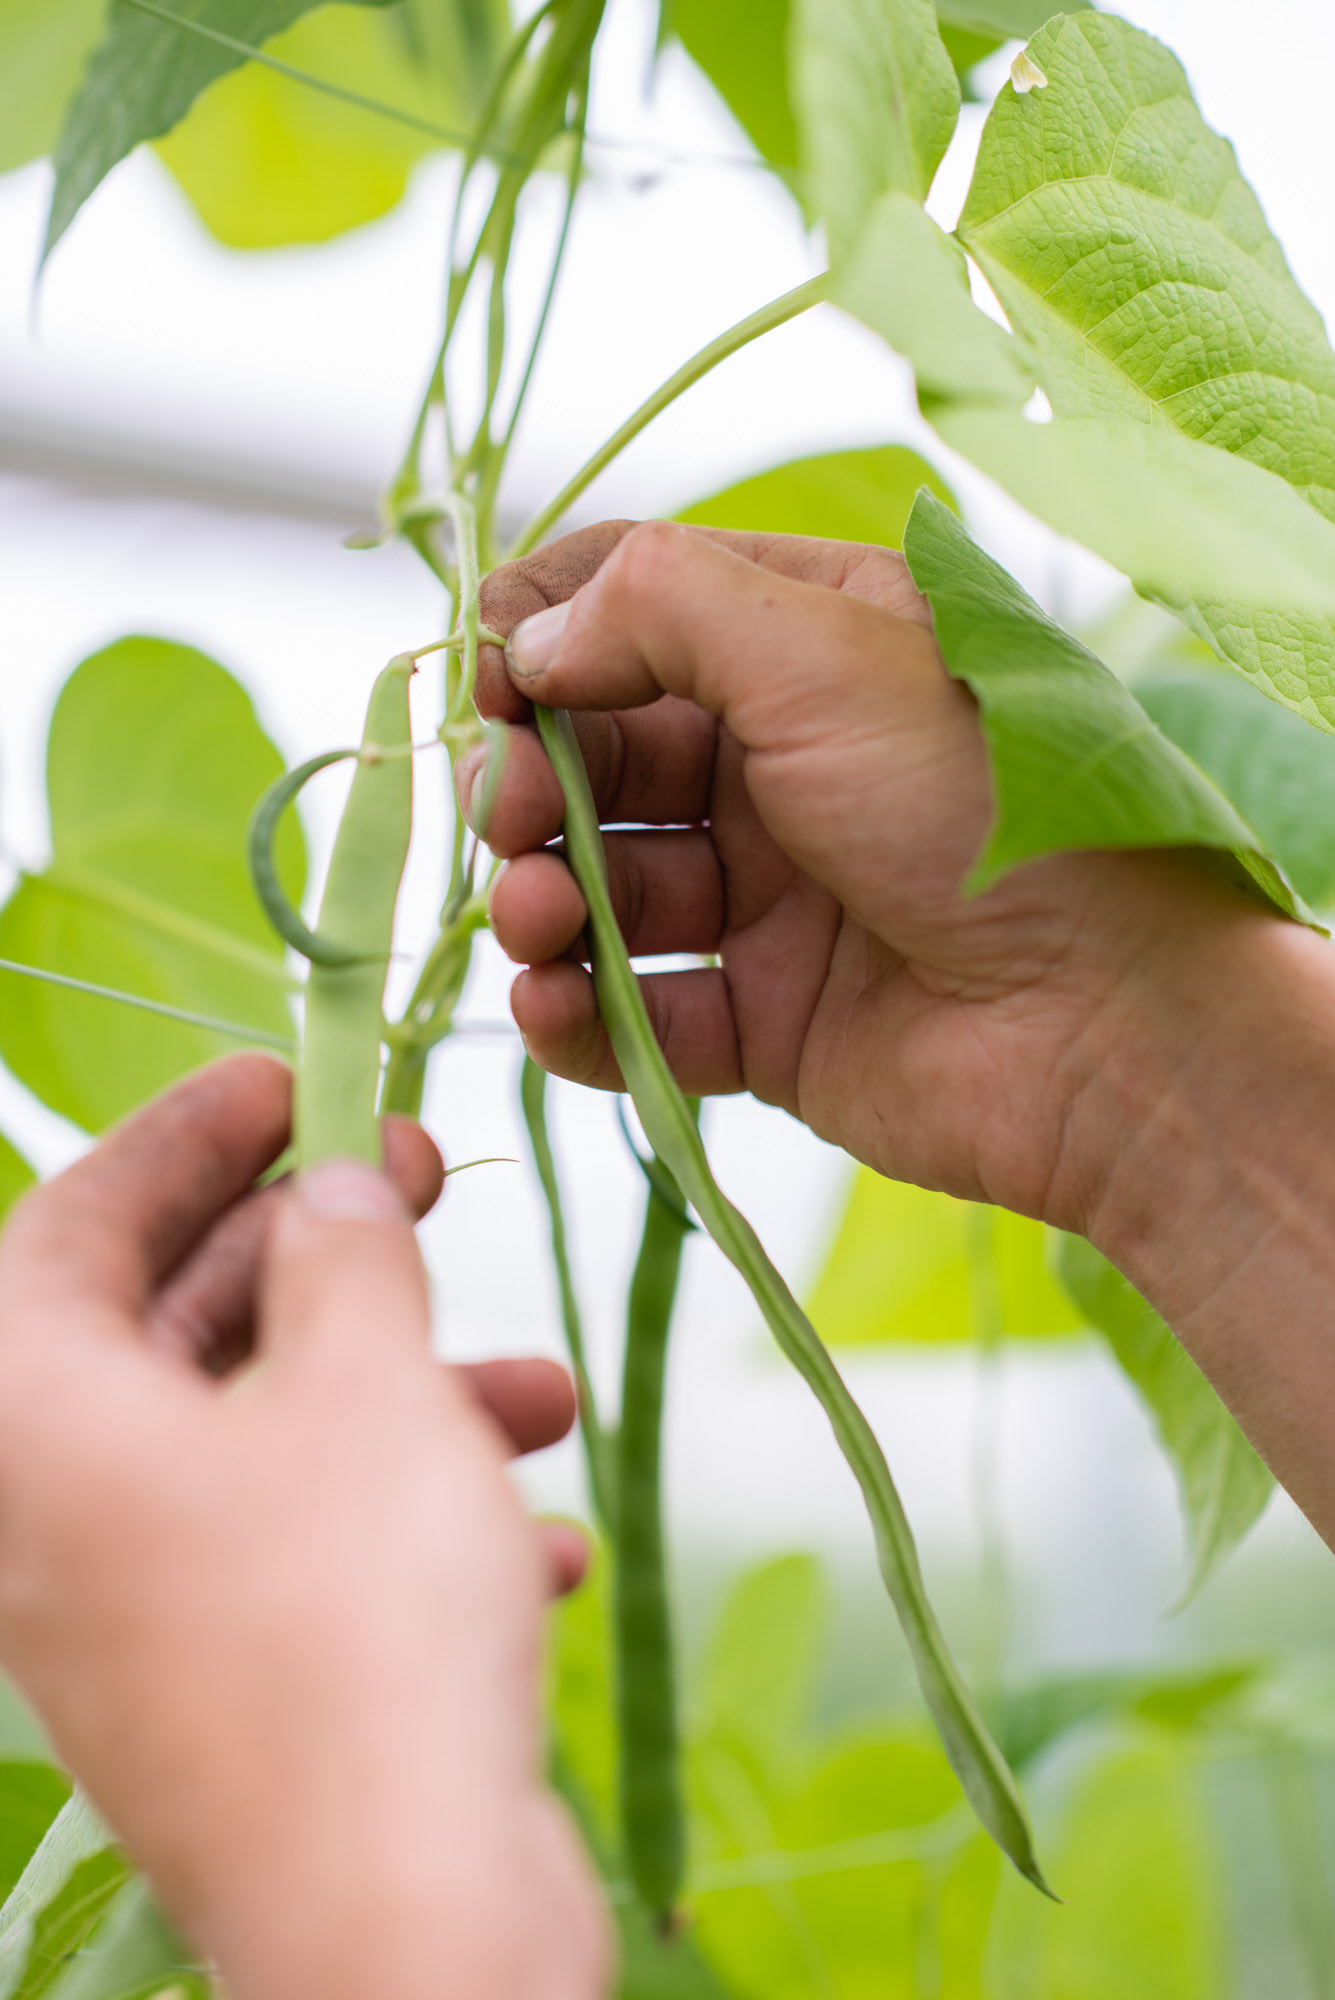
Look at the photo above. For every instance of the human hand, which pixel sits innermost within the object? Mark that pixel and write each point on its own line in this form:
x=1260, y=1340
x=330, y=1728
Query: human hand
x=285, y=1629
x=1122, y=1044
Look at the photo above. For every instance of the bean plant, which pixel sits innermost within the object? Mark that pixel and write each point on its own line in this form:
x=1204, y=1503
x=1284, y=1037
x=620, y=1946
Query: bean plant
x=1154, y=384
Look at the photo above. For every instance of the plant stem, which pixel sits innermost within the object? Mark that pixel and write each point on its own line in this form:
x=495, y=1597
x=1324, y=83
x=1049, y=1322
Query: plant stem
x=233, y=1029
x=652, y=1816
x=776, y=313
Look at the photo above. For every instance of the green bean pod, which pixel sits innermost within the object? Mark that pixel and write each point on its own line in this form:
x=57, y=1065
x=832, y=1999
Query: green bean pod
x=979, y=1765
x=260, y=838
x=652, y=1817
x=338, y=1080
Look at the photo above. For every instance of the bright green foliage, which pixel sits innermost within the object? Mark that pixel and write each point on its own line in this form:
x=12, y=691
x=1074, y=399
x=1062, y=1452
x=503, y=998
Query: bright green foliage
x=267, y=160
x=63, y=1892
x=154, y=763
x=877, y=99
x=1010, y=20
x=1224, y=1485
x=43, y=44
x=141, y=80
x=966, y=50
x=1143, y=1913
x=844, y=496
x=1277, y=770
x=1076, y=763
x=133, y=1952
x=1038, y=1715
x=31, y=1794
x=741, y=49
x=909, y=282
x=899, y=1269
x=1202, y=329
x=15, y=1175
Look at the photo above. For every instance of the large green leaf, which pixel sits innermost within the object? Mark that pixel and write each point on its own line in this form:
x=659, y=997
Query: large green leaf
x=759, y=1668
x=1124, y=243
x=843, y=496
x=142, y=78
x=740, y=45
x=154, y=763
x=1278, y=771
x=1224, y=1484
x=43, y=45
x=1075, y=761
x=1009, y=20
x=31, y=1795
x=1136, y=1864
x=877, y=100
x=15, y=1175
x=901, y=1268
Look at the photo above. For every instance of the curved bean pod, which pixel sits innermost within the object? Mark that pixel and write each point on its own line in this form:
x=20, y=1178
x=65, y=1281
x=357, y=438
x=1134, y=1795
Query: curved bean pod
x=663, y=1112
x=260, y=837
x=339, y=1076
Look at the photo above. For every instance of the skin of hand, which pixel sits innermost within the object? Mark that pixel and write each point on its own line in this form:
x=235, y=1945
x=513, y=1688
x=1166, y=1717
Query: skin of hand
x=1125, y=1045
x=285, y=1626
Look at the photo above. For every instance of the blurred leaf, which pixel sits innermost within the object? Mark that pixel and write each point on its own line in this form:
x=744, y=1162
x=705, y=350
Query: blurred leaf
x=67, y=1884
x=15, y=1175
x=1075, y=762
x=133, y=1954
x=877, y=100
x=1143, y=1913
x=757, y=1675
x=1203, y=328
x=43, y=44
x=842, y=496
x=1035, y=1717
x=31, y=1794
x=266, y=160
x=741, y=45
x=966, y=50
x=899, y=1270
x=1278, y=771
x=579, y=1695
x=910, y=284
x=1224, y=1485
x=1010, y=20
x=154, y=762
x=142, y=78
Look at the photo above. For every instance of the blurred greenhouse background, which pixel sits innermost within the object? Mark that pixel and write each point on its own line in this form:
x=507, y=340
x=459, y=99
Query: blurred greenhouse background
x=188, y=428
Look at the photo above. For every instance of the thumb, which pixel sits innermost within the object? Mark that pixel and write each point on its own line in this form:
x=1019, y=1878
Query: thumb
x=342, y=1273
x=778, y=660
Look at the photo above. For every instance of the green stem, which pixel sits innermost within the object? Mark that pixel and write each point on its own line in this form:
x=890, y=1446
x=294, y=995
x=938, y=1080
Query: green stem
x=597, y=1445
x=776, y=313
x=672, y=1133
x=652, y=1816
x=232, y=1029
x=429, y=1016
x=338, y=1081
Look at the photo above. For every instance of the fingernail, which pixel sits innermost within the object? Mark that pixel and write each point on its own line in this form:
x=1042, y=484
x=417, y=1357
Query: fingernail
x=349, y=1191
x=532, y=646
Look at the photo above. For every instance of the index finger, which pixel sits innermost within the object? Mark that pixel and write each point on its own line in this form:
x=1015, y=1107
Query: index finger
x=107, y=1231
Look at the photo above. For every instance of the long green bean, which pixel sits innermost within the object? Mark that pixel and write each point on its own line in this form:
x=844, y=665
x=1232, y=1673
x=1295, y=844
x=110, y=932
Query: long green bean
x=652, y=1815
x=672, y=1133
x=338, y=1079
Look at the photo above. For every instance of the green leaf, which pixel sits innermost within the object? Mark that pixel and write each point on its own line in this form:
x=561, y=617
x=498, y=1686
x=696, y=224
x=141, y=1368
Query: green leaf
x=841, y=496
x=1143, y=1915
x=266, y=160
x=1036, y=1717
x=43, y=45
x=1224, y=1484
x=1009, y=20
x=1126, y=246
x=758, y=1672
x=877, y=101
x=154, y=762
x=910, y=283
x=133, y=1954
x=740, y=47
x=899, y=1269
x=1076, y=762
x=15, y=1175
x=142, y=78
x=62, y=1893
x=966, y=50
x=1277, y=770
x=31, y=1794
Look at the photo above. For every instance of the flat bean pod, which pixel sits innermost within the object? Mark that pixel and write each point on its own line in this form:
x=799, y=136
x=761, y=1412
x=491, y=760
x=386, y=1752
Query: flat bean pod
x=338, y=1081
x=671, y=1131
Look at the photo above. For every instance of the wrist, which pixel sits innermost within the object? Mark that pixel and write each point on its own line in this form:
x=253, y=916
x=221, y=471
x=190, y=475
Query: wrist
x=1203, y=1167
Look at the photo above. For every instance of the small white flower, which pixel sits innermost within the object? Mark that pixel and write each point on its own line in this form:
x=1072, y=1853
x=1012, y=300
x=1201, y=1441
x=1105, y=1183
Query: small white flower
x=1026, y=74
